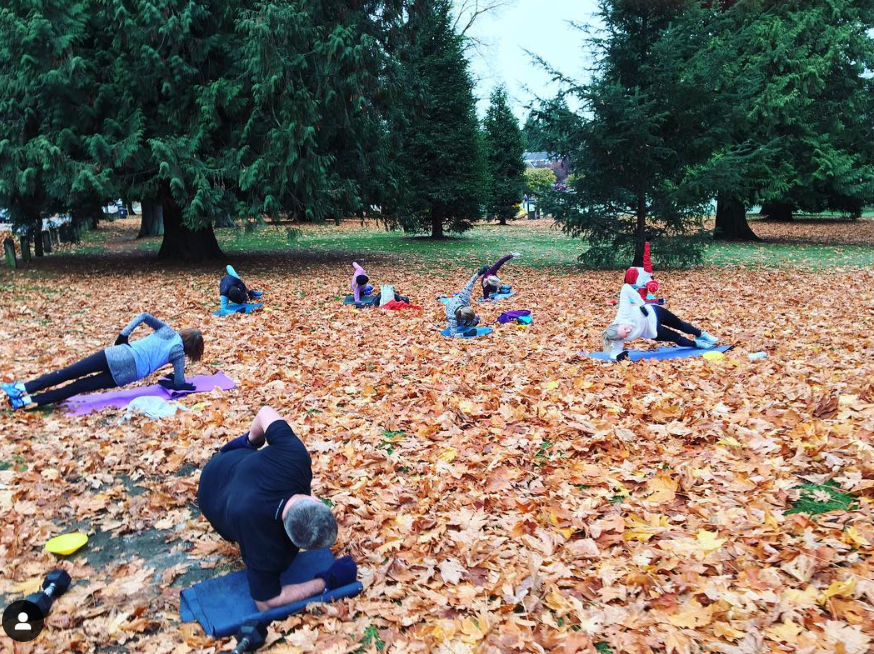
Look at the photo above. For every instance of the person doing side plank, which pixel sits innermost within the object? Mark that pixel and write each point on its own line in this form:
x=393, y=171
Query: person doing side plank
x=491, y=281
x=459, y=316
x=641, y=279
x=636, y=319
x=123, y=363
x=262, y=500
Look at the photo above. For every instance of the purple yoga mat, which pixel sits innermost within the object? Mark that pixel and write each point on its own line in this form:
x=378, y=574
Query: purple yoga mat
x=82, y=404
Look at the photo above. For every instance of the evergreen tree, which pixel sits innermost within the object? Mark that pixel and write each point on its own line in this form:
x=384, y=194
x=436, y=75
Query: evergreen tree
x=442, y=176
x=784, y=101
x=504, y=149
x=47, y=113
x=630, y=146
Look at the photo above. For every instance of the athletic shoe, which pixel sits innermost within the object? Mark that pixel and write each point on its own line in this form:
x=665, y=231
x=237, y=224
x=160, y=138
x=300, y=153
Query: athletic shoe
x=20, y=402
x=709, y=338
x=13, y=389
x=702, y=343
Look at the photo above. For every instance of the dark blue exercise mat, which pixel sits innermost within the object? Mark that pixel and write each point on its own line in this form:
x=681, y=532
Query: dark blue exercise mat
x=223, y=604
x=670, y=352
x=480, y=331
x=233, y=307
x=367, y=300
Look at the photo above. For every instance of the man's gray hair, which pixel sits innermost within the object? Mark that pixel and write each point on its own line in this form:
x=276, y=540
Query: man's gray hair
x=610, y=334
x=310, y=525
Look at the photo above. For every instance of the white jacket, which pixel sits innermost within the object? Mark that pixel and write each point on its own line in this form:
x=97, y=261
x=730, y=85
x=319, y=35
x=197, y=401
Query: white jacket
x=628, y=313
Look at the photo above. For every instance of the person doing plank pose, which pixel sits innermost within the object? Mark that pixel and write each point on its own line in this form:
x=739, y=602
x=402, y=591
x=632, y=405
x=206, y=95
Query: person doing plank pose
x=123, y=363
x=460, y=317
x=491, y=282
x=637, y=319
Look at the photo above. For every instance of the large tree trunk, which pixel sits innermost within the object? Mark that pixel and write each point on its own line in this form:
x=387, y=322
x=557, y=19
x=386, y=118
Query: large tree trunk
x=640, y=230
x=731, y=220
x=781, y=211
x=502, y=221
x=182, y=243
x=151, y=219
x=436, y=227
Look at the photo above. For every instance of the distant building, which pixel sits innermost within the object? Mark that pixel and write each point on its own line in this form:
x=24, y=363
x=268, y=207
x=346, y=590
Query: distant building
x=557, y=165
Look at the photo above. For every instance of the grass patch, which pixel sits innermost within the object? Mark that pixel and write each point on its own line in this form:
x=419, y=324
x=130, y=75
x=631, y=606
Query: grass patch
x=371, y=637
x=603, y=648
x=785, y=254
x=821, y=498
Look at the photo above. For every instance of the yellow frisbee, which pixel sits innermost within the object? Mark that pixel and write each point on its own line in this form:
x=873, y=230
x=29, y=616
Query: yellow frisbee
x=66, y=544
x=713, y=356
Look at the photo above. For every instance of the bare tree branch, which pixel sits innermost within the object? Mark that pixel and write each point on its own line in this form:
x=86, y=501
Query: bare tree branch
x=470, y=10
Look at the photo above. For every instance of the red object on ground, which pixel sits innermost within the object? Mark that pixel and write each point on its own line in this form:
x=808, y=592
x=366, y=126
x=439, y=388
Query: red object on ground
x=395, y=305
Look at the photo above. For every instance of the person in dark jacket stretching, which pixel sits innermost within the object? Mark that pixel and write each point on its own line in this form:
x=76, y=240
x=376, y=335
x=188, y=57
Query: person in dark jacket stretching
x=262, y=499
x=119, y=365
x=232, y=289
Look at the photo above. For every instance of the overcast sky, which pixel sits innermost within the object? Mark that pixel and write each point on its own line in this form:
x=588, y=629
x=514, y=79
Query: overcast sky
x=541, y=26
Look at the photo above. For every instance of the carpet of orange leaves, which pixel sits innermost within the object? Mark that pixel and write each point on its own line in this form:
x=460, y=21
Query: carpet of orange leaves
x=500, y=495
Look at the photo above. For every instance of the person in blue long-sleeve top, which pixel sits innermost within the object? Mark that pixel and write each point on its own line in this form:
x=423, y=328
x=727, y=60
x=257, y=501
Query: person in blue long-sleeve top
x=123, y=363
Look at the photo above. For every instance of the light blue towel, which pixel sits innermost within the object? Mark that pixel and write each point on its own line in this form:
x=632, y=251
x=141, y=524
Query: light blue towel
x=233, y=307
x=480, y=331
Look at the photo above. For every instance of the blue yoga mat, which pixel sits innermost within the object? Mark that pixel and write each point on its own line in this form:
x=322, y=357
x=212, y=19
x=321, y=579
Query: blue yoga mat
x=248, y=307
x=497, y=297
x=480, y=331
x=368, y=300
x=223, y=604
x=670, y=352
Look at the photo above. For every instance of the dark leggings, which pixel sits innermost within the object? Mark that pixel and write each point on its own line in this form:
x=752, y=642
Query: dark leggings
x=91, y=374
x=668, y=322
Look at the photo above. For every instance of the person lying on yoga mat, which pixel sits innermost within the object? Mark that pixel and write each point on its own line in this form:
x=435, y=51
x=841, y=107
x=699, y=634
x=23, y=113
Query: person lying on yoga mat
x=637, y=319
x=459, y=315
x=232, y=289
x=119, y=365
x=641, y=279
x=491, y=281
x=359, y=283
x=262, y=500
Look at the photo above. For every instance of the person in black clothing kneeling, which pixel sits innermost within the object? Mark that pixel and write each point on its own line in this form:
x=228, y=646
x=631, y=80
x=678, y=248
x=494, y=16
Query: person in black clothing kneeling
x=261, y=499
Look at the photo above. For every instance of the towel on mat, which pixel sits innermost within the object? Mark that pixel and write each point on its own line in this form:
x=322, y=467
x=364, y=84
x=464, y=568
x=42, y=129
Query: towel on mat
x=670, y=352
x=233, y=307
x=119, y=399
x=480, y=331
x=223, y=604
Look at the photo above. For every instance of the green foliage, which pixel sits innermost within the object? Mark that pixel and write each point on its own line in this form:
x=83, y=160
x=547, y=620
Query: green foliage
x=538, y=181
x=780, y=94
x=629, y=142
x=441, y=150
x=371, y=637
x=504, y=149
x=207, y=107
x=809, y=503
x=603, y=648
